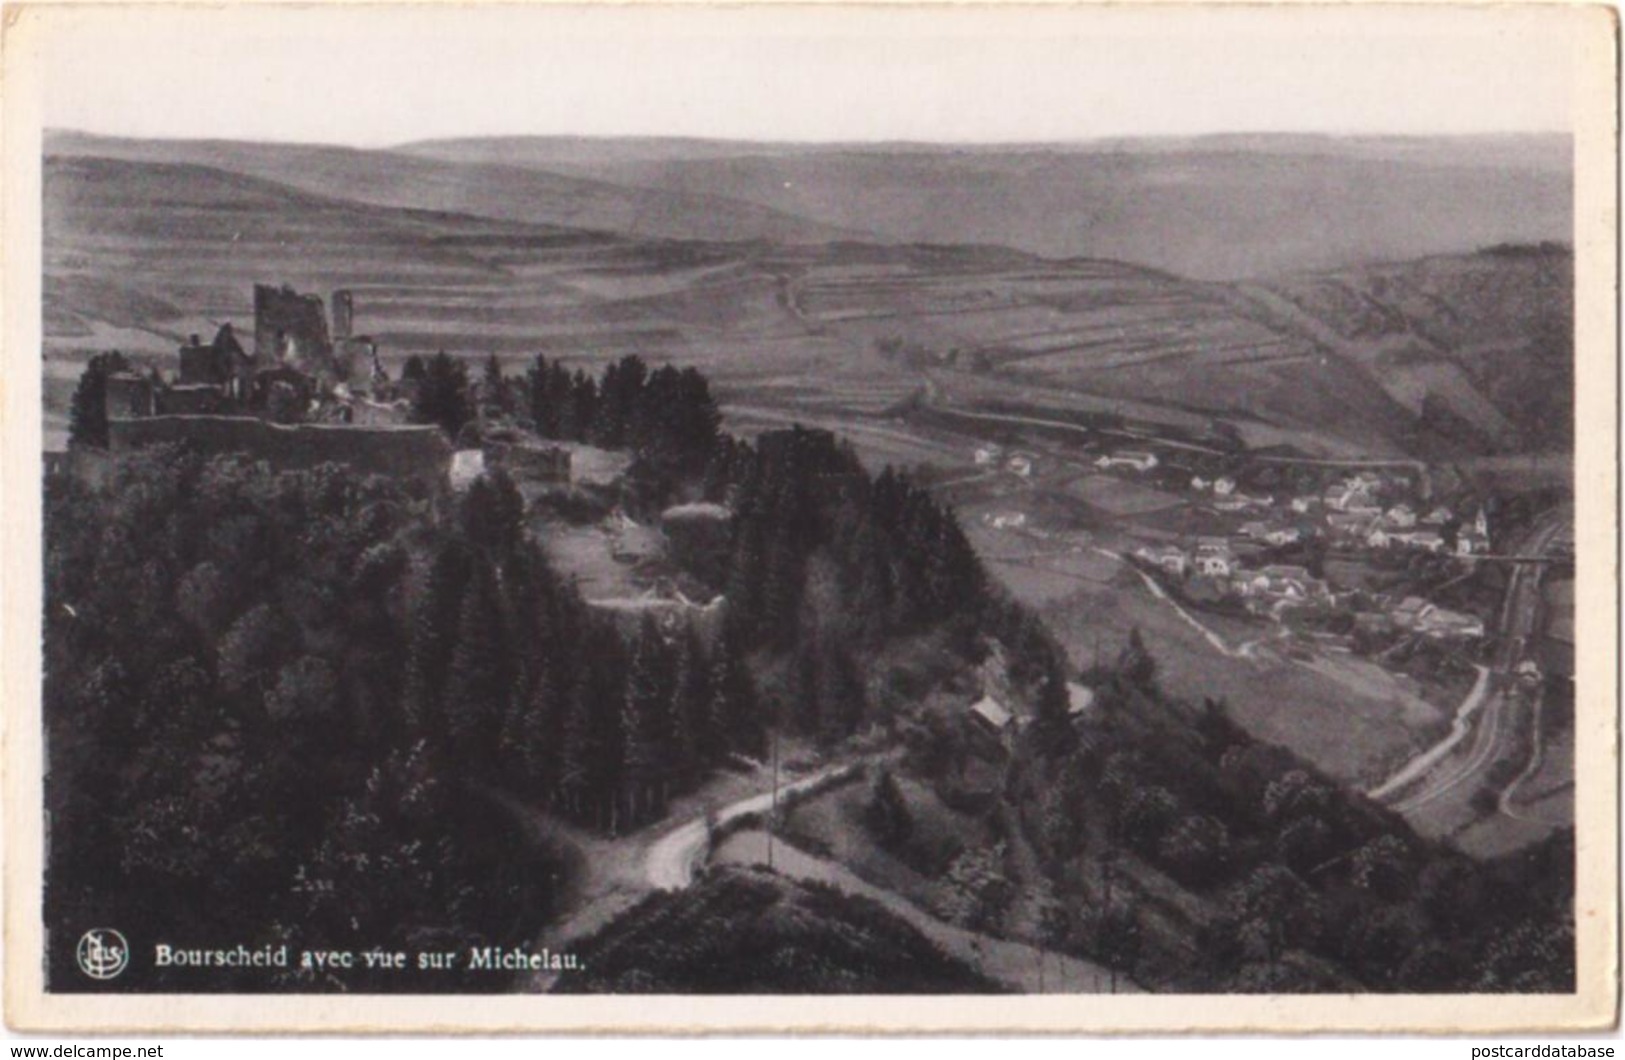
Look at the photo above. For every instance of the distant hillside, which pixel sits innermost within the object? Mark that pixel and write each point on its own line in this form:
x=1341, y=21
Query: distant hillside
x=1444, y=355
x=749, y=931
x=1479, y=344
x=502, y=192
x=1220, y=208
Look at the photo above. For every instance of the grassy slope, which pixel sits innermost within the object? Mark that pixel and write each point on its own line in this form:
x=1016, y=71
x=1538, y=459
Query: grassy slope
x=1490, y=334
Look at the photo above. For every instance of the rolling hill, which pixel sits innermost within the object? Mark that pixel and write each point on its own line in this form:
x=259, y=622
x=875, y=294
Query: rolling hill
x=501, y=192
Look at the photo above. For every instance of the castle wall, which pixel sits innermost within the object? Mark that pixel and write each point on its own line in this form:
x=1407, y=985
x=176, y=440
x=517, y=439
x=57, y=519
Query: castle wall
x=128, y=394
x=190, y=400
x=419, y=454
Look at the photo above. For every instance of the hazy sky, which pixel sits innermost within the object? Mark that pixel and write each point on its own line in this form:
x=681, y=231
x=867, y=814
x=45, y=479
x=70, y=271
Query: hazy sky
x=376, y=76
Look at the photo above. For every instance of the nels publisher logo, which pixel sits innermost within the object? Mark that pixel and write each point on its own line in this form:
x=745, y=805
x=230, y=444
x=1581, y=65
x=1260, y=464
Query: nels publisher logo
x=103, y=953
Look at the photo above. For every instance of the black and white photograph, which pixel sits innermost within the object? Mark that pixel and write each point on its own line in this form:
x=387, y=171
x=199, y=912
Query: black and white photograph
x=565, y=504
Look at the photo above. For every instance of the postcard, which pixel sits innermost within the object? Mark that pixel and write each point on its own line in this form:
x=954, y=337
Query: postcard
x=664, y=517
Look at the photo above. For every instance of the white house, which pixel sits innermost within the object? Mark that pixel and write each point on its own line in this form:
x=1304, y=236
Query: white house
x=1425, y=539
x=986, y=455
x=1215, y=565
x=1285, y=535
x=1199, y=483
x=1020, y=465
x=1401, y=516
x=466, y=466
x=992, y=714
x=1224, y=487
x=1080, y=699
x=1250, y=583
x=1303, y=504
x=1349, y=494
x=1168, y=557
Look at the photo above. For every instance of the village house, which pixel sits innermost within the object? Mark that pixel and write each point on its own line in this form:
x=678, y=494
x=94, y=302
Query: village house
x=1351, y=493
x=1020, y=465
x=1438, y=516
x=1199, y=483
x=1080, y=699
x=1347, y=527
x=1302, y=505
x=1224, y=486
x=1212, y=557
x=1291, y=582
x=987, y=455
x=1423, y=539
x=1249, y=583
x=1286, y=535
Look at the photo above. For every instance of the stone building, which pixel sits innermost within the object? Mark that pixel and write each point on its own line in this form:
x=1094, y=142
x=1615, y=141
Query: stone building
x=221, y=363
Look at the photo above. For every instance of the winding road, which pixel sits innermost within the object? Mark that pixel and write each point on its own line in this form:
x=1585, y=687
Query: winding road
x=1445, y=776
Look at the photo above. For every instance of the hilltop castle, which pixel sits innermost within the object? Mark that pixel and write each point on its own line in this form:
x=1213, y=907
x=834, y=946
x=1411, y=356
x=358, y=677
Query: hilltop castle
x=297, y=372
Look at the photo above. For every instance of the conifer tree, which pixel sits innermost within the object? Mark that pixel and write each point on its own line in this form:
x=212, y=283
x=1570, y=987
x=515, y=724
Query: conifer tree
x=493, y=384
x=692, y=738
x=646, y=722
x=734, y=712
x=442, y=395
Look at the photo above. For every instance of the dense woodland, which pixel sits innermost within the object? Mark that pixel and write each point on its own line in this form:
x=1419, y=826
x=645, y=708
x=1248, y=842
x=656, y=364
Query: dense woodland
x=291, y=701
x=296, y=707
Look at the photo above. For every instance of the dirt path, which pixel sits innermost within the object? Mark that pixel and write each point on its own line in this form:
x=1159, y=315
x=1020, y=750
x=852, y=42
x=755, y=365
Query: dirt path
x=1013, y=963
x=1218, y=643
